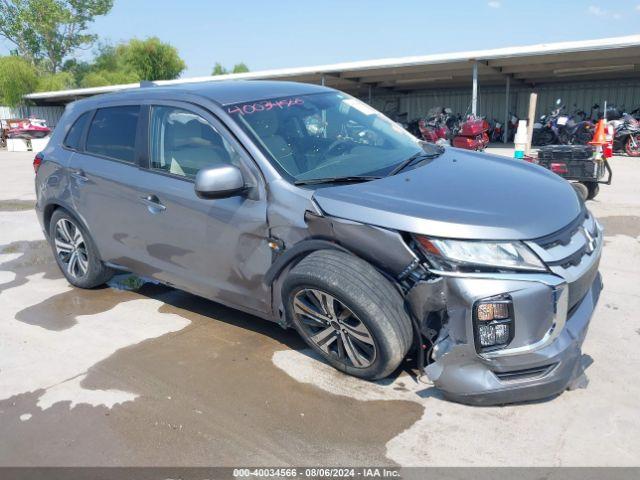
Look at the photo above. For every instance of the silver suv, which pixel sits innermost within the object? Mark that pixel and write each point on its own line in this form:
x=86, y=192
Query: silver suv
x=305, y=206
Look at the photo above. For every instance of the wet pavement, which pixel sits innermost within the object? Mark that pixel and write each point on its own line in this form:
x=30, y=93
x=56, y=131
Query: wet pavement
x=156, y=376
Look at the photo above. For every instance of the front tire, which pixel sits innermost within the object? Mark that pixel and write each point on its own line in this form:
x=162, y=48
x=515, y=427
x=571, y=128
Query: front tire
x=633, y=151
x=75, y=252
x=348, y=313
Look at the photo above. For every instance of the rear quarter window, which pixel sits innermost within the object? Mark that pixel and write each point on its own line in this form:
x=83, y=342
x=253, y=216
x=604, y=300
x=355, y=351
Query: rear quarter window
x=113, y=133
x=74, y=136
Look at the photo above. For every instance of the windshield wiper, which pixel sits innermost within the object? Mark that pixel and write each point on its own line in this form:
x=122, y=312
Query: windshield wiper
x=413, y=158
x=348, y=179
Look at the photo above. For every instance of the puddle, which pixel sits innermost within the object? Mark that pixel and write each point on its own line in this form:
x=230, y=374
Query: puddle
x=158, y=376
x=25, y=258
x=60, y=312
x=621, y=225
x=206, y=394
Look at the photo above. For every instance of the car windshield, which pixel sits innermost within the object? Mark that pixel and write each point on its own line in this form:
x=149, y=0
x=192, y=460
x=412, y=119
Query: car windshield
x=326, y=136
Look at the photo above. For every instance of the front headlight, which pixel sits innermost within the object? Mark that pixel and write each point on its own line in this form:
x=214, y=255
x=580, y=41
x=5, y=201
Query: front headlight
x=472, y=254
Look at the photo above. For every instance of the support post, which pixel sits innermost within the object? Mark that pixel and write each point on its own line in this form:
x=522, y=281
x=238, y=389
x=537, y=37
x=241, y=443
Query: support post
x=322, y=80
x=507, y=119
x=370, y=94
x=533, y=101
x=474, y=93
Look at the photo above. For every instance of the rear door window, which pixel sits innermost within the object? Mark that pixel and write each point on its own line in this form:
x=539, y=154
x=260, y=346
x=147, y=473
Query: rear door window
x=74, y=137
x=113, y=133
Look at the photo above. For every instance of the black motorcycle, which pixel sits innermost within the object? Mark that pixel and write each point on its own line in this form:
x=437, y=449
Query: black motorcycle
x=626, y=137
x=563, y=129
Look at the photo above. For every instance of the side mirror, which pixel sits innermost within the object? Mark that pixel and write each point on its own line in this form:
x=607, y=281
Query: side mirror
x=219, y=182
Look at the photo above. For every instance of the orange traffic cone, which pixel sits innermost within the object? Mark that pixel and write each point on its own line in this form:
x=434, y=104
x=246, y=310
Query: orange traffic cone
x=599, y=138
x=599, y=141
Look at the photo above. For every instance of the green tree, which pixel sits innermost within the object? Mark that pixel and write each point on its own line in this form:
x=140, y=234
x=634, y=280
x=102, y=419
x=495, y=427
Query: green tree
x=77, y=68
x=48, y=31
x=152, y=59
x=51, y=82
x=17, y=78
x=101, y=78
x=240, y=68
x=219, y=69
x=108, y=68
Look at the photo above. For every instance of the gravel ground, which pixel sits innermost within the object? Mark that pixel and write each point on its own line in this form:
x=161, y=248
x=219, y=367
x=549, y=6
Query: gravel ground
x=160, y=377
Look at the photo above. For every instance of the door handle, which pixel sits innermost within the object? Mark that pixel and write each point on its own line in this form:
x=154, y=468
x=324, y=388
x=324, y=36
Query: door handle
x=153, y=203
x=79, y=175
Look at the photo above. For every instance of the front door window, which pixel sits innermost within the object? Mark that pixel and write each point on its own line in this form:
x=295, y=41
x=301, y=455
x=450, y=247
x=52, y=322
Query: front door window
x=182, y=143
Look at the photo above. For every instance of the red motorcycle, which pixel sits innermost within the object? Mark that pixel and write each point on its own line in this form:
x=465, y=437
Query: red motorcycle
x=434, y=128
x=472, y=134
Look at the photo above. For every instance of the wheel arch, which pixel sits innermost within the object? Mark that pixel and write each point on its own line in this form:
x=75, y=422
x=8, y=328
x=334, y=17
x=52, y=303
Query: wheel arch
x=277, y=272
x=275, y=275
x=51, y=207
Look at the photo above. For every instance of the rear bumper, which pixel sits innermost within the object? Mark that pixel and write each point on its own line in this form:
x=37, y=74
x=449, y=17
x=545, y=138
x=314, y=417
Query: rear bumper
x=471, y=379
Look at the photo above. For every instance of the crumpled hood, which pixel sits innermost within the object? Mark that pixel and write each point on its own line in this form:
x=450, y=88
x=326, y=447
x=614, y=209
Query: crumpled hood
x=460, y=195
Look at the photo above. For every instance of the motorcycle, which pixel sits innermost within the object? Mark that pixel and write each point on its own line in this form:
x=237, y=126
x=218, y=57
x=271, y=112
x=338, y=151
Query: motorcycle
x=495, y=131
x=512, y=127
x=563, y=129
x=574, y=132
x=435, y=128
x=626, y=136
x=471, y=134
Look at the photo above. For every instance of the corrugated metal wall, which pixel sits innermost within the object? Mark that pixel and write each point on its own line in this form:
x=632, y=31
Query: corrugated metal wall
x=50, y=114
x=491, y=99
x=583, y=95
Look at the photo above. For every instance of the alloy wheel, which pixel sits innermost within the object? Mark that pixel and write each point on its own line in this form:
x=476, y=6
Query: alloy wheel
x=334, y=328
x=71, y=248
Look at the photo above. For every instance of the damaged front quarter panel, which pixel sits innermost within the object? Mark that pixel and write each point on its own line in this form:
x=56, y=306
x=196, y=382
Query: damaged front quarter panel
x=383, y=248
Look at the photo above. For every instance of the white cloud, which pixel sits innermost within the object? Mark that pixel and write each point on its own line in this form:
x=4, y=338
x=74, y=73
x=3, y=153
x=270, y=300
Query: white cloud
x=496, y=4
x=601, y=12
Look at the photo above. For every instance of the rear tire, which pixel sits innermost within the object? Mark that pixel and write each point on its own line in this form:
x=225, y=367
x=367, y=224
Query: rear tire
x=75, y=252
x=582, y=190
x=582, y=136
x=543, y=138
x=348, y=313
x=593, y=189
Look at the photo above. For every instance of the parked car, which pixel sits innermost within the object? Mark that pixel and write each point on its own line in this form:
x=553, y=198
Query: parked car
x=373, y=245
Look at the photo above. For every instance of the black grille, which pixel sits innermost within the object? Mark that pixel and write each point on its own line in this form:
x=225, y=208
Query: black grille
x=526, y=374
x=562, y=236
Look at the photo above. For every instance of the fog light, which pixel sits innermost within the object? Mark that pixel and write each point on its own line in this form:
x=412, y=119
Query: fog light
x=487, y=335
x=493, y=322
x=492, y=311
x=502, y=333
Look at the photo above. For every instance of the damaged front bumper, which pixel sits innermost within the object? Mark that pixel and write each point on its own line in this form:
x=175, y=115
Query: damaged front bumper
x=551, y=317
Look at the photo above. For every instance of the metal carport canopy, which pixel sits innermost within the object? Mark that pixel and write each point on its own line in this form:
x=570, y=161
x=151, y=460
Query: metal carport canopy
x=609, y=58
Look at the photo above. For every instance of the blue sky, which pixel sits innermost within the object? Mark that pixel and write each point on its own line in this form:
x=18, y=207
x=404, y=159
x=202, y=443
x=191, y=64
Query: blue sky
x=274, y=34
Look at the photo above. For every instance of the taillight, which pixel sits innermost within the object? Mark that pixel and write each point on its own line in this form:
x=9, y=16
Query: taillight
x=37, y=161
x=559, y=168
